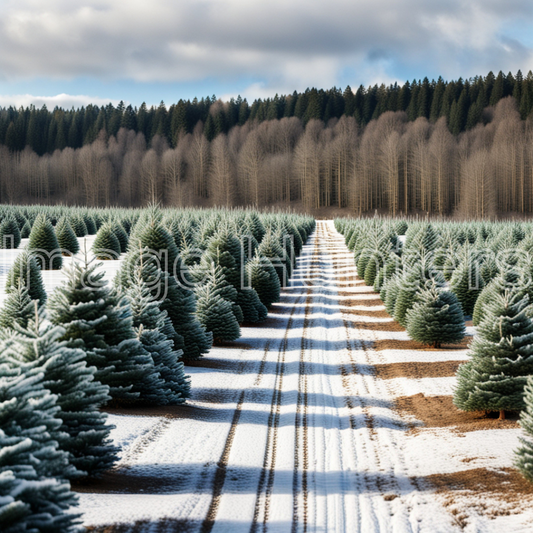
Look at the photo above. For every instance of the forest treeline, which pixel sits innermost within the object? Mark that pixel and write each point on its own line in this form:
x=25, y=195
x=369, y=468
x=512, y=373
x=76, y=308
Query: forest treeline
x=392, y=164
x=461, y=101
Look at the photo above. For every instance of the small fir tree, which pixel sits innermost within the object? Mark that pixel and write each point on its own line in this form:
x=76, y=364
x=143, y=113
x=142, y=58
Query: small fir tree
x=106, y=245
x=264, y=280
x=43, y=244
x=175, y=298
x=98, y=321
x=501, y=358
x=216, y=315
x=155, y=331
x=83, y=433
x=26, y=270
x=436, y=318
x=467, y=285
x=18, y=308
x=34, y=494
x=9, y=233
x=524, y=454
x=66, y=237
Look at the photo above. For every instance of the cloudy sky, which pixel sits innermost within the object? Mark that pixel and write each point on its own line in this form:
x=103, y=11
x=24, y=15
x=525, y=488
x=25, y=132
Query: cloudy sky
x=70, y=53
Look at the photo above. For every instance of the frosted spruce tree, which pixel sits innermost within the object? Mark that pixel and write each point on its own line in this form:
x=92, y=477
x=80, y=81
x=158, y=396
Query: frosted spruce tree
x=436, y=318
x=9, y=233
x=26, y=270
x=214, y=276
x=501, y=358
x=34, y=494
x=176, y=298
x=83, y=434
x=78, y=225
x=66, y=237
x=264, y=279
x=467, y=284
x=98, y=321
x=18, y=308
x=43, y=244
x=106, y=245
x=524, y=454
x=216, y=315
x=155, y=331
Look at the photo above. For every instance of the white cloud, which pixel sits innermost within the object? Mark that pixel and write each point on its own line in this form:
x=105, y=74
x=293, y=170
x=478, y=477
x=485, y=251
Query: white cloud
x=290, y=45
x=66, y=101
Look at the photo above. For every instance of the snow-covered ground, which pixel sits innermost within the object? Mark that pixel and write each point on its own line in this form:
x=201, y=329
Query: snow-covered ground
x=290, y=429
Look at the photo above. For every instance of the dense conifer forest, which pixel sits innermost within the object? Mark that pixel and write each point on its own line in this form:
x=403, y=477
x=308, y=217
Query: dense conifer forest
x=437, y=147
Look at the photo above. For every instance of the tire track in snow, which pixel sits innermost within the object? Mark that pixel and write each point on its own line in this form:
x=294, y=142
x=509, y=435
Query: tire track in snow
x=139, y=445
x=301, y=431
x=266, y=479
x=356, y=390
x=220, y=474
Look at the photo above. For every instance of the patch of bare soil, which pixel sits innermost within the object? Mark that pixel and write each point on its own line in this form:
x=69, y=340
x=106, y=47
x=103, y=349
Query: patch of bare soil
x=215, y=364
x=392, y=344
x=370, y=302
x=468, y=323
x=413, y=370
x=121, y=481
x=168, y=411
x=379, y=326
x=490, y=493
x=439, y=412
x=141, y=526
x=380, y=313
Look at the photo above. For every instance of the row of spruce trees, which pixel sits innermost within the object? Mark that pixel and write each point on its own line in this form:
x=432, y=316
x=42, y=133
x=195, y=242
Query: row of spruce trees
x=441, y=272
x=186, y=278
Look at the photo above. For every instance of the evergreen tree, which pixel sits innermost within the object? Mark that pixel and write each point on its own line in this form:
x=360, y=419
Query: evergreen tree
x=26, y=230
x=264, y=280
x=216, y=314
x=215, y=276
x=78, y=225
x=18, y=308
x=272, y=250
x=155, y=331
x=467, y=284
x=253, y=310
x=83, y=433
x=26, y=270
x=175, y=298
x=66, y=237
x=120, y=234
x=436, y=318
x=106, y=245
x=34, y=495
x=98, y=321
x=43, y=244
x=9, y=233
x=524, y=454
x=501, y=358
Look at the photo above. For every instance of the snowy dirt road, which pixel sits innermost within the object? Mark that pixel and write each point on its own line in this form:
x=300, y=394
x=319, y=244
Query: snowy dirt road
x=290, y=429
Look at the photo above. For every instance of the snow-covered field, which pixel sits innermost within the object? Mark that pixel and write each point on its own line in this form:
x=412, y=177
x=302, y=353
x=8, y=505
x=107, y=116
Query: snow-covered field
x=289, y=429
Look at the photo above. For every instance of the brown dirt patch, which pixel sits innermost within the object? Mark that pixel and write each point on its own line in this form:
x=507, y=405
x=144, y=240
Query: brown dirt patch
x=392, y=344
x=439, y=412
x=370, y=302
x=380, y=313
x=437, y=369
x=378, y=326
x=506, y=485
x=215, y=364
x=167, y=411
x=141, y=526
x=468, y=323
x=123, y=482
